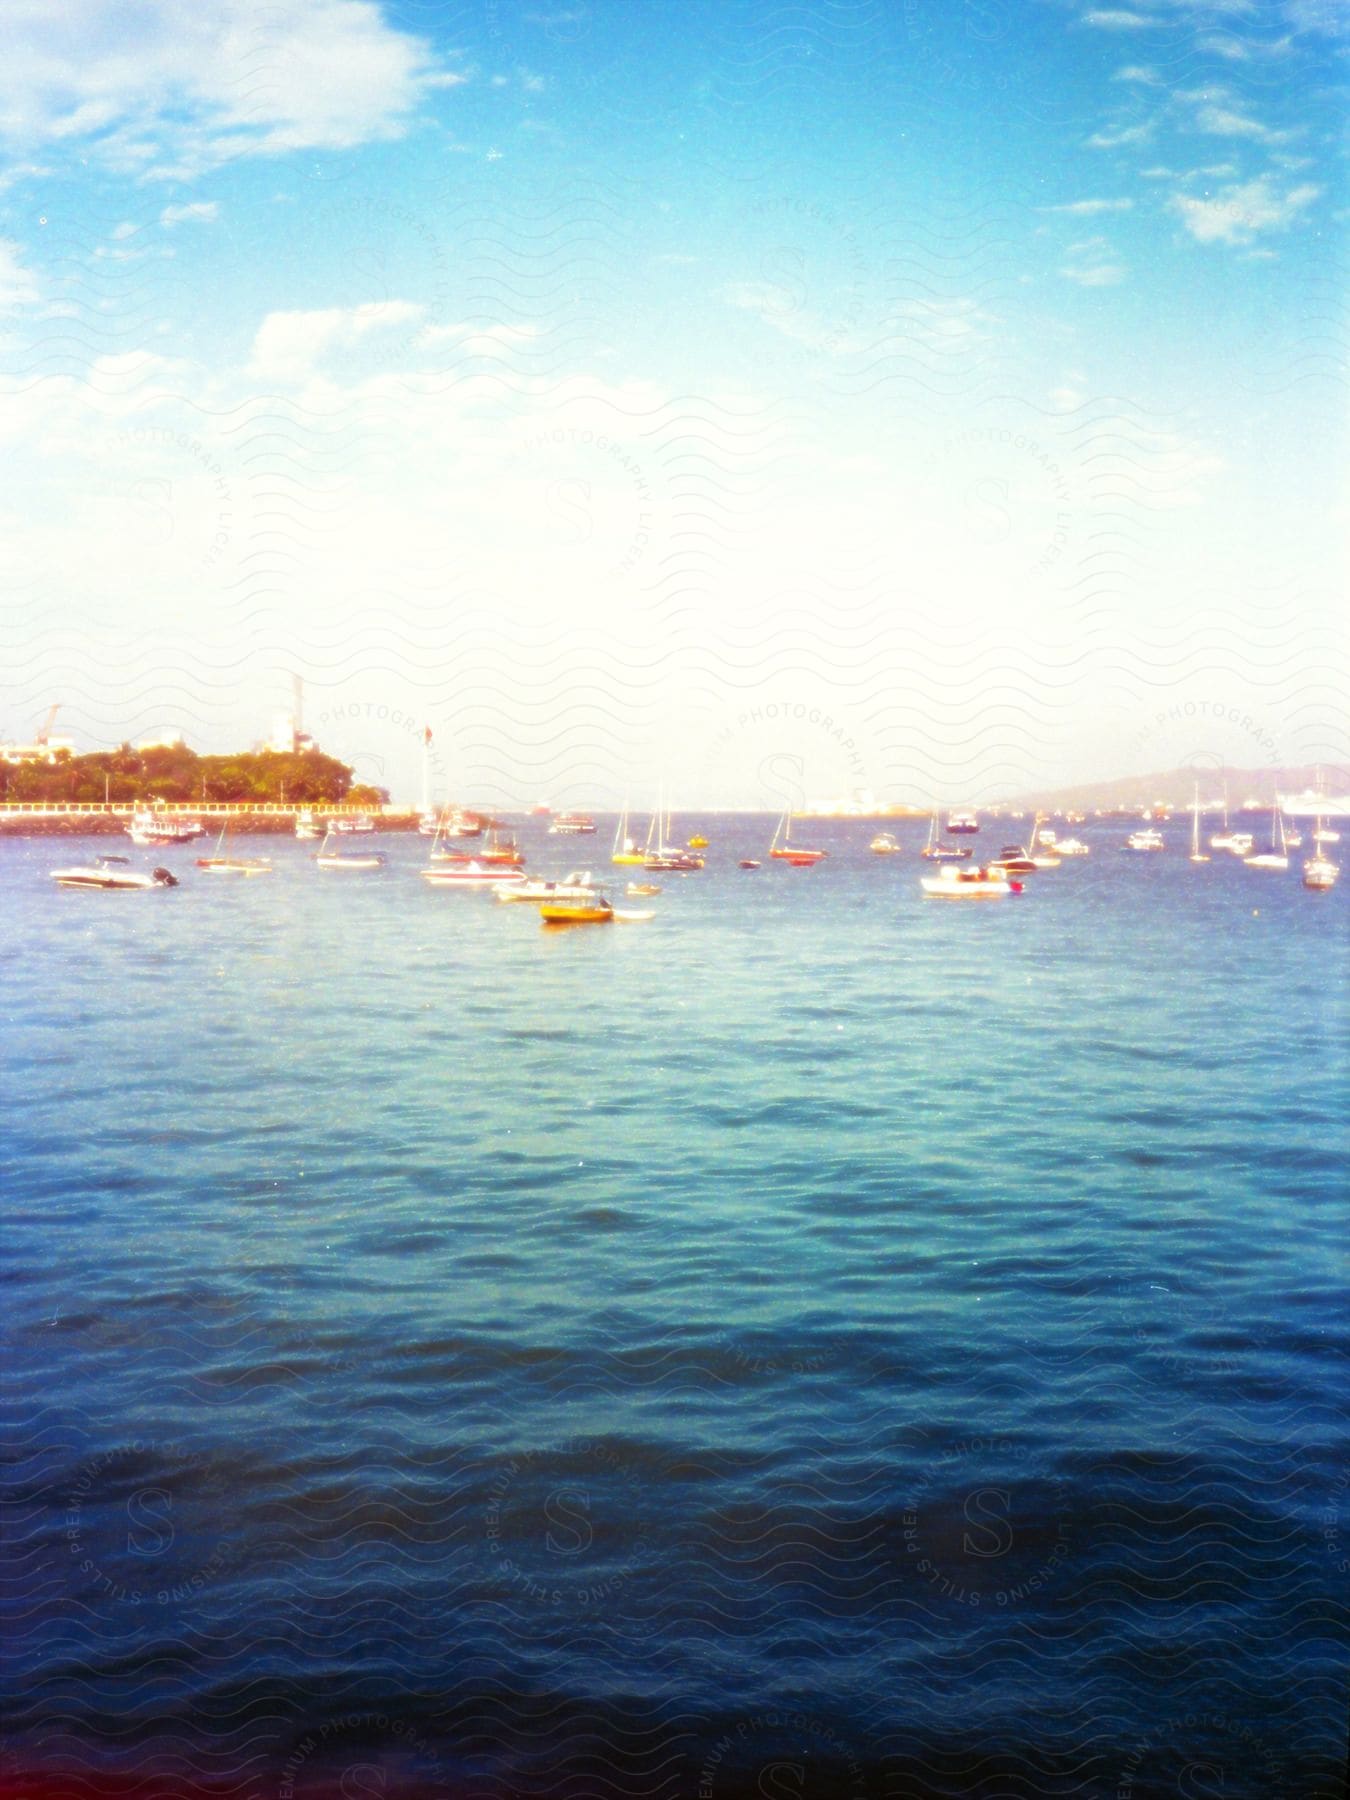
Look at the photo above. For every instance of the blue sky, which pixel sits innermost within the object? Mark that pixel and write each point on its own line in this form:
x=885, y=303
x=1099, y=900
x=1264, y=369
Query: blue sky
x=625, y=392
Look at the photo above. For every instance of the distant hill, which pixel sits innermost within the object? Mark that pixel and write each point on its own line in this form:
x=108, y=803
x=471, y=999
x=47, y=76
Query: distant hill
x=1174, y=788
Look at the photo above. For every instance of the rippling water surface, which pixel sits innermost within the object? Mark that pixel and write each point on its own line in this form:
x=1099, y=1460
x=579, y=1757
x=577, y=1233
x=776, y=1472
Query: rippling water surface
x=817, y=1343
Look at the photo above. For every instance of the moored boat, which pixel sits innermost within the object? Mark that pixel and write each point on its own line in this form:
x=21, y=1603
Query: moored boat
x=961, y=824
x=222, y=863
x=572, y=824
x=576, y=885
x=148, y=828
x=1012, y=859
x=1277, y=857
x=627, y=851
x=1147, y=839
x=306, y=825
x=113, y=873
x=359, y=826
x=883, y=844
x=936, y=851
x=470, y=874
x=954, y=883
x=587, y=909
x=332, y=856
x=1319, y=874
x=784, y=850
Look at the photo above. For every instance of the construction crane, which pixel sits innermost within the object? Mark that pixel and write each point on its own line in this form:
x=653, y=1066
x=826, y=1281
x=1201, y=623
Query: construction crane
x=47, y=723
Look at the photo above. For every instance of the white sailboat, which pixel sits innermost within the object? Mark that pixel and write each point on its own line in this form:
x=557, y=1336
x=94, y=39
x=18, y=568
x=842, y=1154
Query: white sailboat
x=626, y=850
x=1043, y=857
x=1277, y=857
x=223, y=863
x=1197, y=854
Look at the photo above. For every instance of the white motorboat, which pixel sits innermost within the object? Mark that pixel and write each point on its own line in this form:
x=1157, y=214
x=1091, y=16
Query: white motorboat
x=306, y=825
x=572, y=824
x=357, y=827
x=962, y=824
x=1147, y=839
x=953, y=882
x=883, y=844
x=1070, y=846
x=148, y=828
x=577, y=884
x=113, y=873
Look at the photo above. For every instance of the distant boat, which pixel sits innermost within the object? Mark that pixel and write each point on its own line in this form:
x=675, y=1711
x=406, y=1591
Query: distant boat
x=501, y=851
x=953, y=883
x=1236, y=843
x=577, y=885
x=698, y=842
x=642, y=888
x=1147, y=839
x=1319, y=872
x=935, y=851
x=1277, y=857
x=1046, y=857
x=572, y=824
x=883, y=844
x=1071, y=846
x=470, y=874
x=663, y=856
x=148, y=828
x=626, y=848
x=590, y=909
x=113, y=873
x=331, y=856
x=224, y=864
x=962, y=824
x=306, y=826
x=360, y=826
x=1197, y=854
x=1012, y=859
x=748, y=862
x=786, y=851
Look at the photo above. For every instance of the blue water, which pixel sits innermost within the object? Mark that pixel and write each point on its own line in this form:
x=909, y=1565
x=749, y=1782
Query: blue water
x=818, y=1343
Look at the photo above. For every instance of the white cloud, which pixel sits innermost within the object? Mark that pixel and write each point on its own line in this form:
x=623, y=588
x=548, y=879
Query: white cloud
x=1116, y=139
x=1085, y=207
x=1138, y=73
x=1096, y=275
x=1223, y=121
x=1117, y=19
x=1236, y=214
x=289, y=344
x=160, y=84
x=195, y=212
x=17, y=284
x=1089, y=264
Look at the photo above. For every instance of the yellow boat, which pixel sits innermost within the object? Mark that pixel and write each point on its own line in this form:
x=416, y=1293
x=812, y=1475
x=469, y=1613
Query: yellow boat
x=626, y=852
x=591, y=909
x=698, y=843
